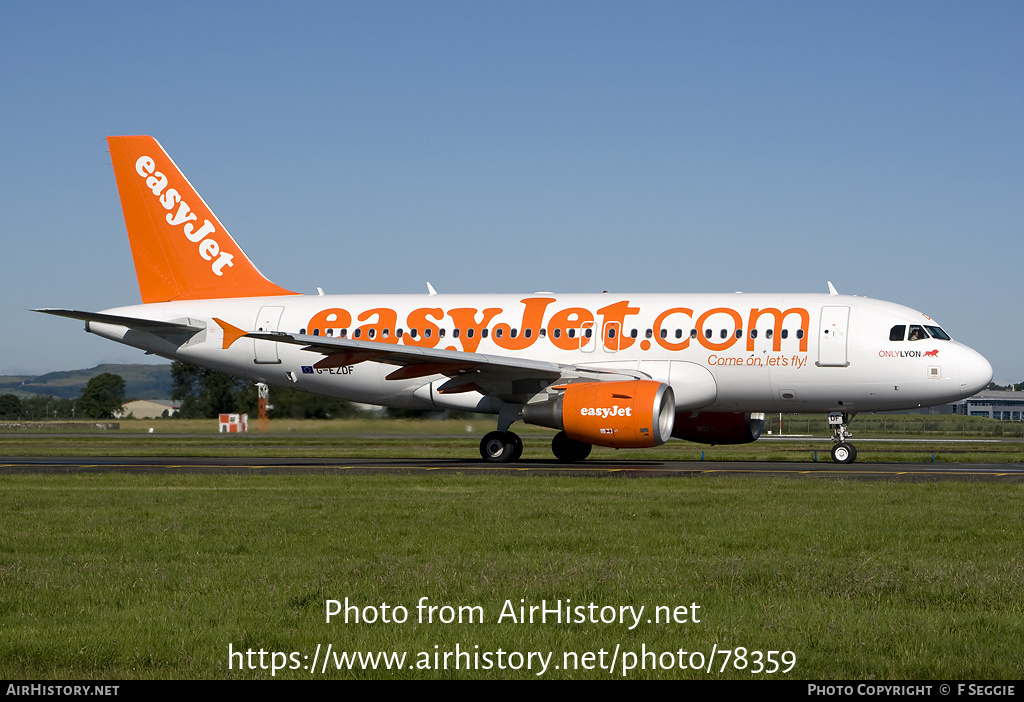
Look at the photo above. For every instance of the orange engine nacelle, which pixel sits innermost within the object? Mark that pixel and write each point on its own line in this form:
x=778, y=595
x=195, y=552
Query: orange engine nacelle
x=620, y=414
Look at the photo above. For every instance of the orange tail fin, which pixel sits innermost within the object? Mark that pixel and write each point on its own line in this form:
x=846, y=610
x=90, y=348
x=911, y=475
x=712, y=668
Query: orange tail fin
x=180, y=248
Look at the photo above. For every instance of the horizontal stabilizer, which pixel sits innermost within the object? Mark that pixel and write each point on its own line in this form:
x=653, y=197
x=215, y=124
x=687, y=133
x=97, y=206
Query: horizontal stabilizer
x=148, y=325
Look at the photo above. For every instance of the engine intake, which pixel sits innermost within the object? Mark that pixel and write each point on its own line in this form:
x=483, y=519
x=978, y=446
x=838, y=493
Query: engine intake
x=620, y=414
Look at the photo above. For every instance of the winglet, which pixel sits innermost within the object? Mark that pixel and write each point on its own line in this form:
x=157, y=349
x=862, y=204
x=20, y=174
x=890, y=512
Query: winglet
x=180, y=248
x=832, y=289
x=231, y=332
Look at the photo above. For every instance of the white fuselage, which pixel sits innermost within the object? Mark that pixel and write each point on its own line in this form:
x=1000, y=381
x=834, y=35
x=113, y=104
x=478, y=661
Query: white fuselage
x=736, y=352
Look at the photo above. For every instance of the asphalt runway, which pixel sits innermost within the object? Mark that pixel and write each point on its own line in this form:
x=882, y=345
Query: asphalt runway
x=1001, y=472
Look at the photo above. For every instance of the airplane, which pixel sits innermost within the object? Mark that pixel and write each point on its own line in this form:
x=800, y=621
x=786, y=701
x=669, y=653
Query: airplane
x=604, y=369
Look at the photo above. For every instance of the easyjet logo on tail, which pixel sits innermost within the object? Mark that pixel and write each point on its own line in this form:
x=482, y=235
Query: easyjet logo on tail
x=181, y=215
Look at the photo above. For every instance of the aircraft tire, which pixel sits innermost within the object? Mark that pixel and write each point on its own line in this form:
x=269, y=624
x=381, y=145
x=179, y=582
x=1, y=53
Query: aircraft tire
x=501, y=447
x=517, y=445
x=568, y=450
x=844, y=453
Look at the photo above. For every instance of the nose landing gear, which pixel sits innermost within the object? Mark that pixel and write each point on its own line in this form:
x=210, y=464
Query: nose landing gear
x=842, y=451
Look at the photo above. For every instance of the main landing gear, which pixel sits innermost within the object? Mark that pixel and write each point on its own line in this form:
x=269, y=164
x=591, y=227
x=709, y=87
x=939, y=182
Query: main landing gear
x=501, y=447
x=506, y=447
x=568, y=450
x=842, y=451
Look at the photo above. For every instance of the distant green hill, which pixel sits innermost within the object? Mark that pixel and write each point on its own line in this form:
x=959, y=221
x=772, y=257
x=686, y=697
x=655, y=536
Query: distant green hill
x=142, y=381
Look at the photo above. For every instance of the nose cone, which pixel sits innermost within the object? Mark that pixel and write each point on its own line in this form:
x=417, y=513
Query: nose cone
x=975, y=372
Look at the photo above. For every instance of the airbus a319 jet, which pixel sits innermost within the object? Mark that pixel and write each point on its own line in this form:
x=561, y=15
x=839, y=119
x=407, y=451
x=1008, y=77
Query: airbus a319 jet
x=607, y=369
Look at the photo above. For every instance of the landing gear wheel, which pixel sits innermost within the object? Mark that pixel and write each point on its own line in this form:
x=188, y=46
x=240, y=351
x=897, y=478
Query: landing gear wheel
x=568, y=450
x=517, y=446
x=844, y=453
x=501, y=447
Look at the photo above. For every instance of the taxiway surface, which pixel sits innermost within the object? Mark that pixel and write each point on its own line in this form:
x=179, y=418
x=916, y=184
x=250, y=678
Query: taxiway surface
x=1009, y=472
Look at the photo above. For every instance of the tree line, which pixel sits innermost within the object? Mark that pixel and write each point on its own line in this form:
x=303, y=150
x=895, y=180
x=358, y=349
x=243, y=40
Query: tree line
x=204, y=393
x=201, y=393
x=102, y=398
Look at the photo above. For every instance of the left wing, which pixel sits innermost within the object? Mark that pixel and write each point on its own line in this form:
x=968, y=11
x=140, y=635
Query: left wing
x=506, y=377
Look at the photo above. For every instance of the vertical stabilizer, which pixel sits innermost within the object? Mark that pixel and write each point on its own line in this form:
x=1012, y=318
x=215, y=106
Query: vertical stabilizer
x=180, y=248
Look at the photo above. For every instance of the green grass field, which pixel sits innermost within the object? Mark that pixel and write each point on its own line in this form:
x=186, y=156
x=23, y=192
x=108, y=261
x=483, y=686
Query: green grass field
x=155, y=576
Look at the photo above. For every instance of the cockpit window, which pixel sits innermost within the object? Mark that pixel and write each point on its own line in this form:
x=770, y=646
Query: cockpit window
x=917, y=333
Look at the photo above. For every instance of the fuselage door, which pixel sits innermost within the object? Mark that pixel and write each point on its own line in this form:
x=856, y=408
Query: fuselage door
x=268, y=320
x=832, y=336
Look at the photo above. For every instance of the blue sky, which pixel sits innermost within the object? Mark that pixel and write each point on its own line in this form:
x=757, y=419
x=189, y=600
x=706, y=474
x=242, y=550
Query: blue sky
x=520, y=146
